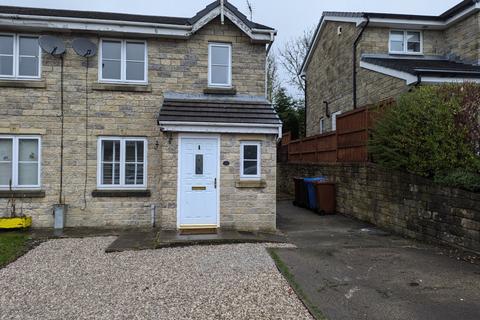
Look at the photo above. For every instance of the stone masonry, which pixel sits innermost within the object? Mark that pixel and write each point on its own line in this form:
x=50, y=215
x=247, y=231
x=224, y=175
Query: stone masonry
x=173, y=66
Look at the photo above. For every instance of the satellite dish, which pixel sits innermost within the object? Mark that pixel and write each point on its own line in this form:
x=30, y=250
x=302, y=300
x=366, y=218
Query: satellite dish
x=52, y=45
x=84, y=47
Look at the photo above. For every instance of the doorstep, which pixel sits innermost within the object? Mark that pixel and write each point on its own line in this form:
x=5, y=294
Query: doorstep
x=149, y=240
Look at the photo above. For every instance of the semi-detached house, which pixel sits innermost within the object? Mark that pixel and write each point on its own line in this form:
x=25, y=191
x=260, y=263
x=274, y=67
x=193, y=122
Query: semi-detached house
x=169, y=121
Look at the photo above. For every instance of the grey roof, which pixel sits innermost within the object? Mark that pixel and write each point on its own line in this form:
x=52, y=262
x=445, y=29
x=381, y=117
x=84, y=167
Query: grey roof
x=217, y=109
x=444, y=16
x=127, y=17
x=427, y=66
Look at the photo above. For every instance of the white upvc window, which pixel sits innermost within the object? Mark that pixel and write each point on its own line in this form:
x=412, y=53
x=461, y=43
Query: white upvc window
x=20, y=161
x=334, y=119
x=122, y=163
x=250, y=158
x=322, y=125
x=20, y=57
x=219, y=65
x=124, y=61
x=405, y=42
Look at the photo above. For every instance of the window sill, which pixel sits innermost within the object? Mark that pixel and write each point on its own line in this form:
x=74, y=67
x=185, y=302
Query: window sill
x=244, y=184
x=220, y=90
x=405, y=54
x=121, y=194
x=122, y=87
x=17, y=194
x=17, y=83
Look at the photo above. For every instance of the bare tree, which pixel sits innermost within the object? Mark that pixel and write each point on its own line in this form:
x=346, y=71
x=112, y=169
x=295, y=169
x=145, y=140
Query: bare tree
x=273, y=80
x=292, y=56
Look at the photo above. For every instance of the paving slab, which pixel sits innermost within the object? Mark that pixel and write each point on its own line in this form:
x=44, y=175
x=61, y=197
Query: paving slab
x=157, y=239
x=352, y=270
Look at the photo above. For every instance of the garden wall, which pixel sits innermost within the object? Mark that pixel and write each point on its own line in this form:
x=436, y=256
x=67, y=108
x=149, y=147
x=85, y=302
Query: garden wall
x=402, y=203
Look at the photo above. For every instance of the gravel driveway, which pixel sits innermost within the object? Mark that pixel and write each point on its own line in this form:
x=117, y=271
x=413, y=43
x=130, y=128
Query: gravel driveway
x=75, y=279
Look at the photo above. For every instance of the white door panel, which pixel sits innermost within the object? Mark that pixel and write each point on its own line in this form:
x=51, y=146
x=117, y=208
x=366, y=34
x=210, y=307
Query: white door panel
x=198, y=181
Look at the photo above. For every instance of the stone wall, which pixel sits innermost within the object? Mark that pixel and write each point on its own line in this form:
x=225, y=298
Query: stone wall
x=402, y=203
x=174, y=66
x=463, y=41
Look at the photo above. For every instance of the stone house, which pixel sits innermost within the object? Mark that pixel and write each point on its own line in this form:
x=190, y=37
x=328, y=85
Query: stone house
x=168, y=123
x=362, y=58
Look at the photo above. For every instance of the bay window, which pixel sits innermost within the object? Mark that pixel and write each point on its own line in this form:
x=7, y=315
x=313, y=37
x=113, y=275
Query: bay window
x=19, y=56
x=250, y=160
x=123, y=61
x=122, y=163
x=19, y=162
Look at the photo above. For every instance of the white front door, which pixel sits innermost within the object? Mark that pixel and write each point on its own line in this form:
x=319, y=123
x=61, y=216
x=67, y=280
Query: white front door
x=198, y=182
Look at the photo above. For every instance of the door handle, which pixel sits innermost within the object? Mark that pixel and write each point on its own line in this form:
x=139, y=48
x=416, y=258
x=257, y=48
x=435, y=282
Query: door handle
x=215, y=183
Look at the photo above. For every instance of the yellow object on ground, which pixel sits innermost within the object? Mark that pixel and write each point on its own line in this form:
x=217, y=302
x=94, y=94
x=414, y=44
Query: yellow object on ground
x=15, y=223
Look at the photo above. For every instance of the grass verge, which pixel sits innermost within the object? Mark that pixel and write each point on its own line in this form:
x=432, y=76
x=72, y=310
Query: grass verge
x=285, y=271
x=12, y=246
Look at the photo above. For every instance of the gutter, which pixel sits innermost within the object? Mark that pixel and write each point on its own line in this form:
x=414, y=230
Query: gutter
x=355, y=44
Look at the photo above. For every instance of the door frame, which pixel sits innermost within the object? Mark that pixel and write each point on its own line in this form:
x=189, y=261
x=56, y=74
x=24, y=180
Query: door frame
x=179, y=171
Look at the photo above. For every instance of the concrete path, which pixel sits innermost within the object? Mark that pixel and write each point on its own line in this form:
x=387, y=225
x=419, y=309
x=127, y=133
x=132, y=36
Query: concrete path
x=350, y=270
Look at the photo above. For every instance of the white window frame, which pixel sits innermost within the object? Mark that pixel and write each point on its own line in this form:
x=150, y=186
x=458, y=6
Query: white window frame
x=16, y=58
x=334, y=120
x=224, y=45
x=405, y=43
x=122, y=185
x=322, y=125
x=244, y=176
x=15, y=163
x=123, y=62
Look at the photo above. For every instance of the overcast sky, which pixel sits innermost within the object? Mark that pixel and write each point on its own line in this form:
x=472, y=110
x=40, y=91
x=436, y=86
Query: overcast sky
x=289, y=17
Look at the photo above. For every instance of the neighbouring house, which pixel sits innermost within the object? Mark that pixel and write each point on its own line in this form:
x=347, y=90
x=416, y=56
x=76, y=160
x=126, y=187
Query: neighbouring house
x=168, y=123
x=357, y=59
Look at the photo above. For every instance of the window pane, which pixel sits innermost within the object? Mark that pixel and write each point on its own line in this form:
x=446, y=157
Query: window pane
x=6, y=44
x=107, y=174
x=109, y=148
x=199, y=164
x=111, y=70
x=130, y=173
x=28, y=150
x=27, y=174
x=220, y=75
x=220, y=55
x=28, y=46
x=396, y=36
x=28, y=67
x=130, y=152
x=250, y=152
x=140, y=151
x=135, y=71
x=250, y=168
x=140, y=174
x=112, y=50
x=6, y=65
x=397, y=41
x=116, y=176
x=135, y=51
x=5, y=173
x=397, y=46
x=5, y=150
x=413, y=36
x=413, y=47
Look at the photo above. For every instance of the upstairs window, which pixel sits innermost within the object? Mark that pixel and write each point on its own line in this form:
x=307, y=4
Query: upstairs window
x=122, y=163
x=123, y=61
x=405, y=42
x=219, y=65
x=19, y=56
x=250, y=160
x=322, y=125
x=334, y=120
x=19, y=162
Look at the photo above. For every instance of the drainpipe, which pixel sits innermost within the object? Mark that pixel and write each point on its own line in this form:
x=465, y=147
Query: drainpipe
x=304, y=77
x=355, y=44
